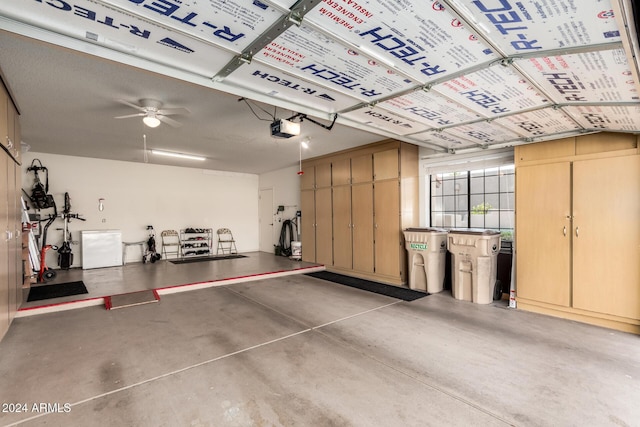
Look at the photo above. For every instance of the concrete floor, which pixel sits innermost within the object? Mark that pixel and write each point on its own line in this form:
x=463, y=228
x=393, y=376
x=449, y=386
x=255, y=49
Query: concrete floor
x=299, y=351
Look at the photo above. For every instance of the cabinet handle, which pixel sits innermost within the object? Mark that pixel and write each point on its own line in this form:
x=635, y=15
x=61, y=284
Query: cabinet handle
x=564, y=230
x=577, y=235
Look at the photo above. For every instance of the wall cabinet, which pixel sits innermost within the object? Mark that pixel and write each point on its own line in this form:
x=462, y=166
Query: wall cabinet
x=363, y=234
x=578, y=234
x=10, y=213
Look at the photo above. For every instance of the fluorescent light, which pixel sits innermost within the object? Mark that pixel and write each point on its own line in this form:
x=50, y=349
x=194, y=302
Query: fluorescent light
x=178, y=155
x=151, y=121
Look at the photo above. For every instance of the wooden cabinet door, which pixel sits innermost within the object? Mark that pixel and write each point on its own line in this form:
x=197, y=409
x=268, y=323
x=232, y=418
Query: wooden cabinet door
x=362, y=227
x=4, y=115
x=12, y=244
x=387, y=228
x=308, y=225
x=386, y=165
x=323, y=175
x=606, y=236
x=12, y=121
x=4, y=251
x=543, y=239
x=308, y=178
x=362, y=169
x=324, y=225
x=341, y=172
x=342, y=244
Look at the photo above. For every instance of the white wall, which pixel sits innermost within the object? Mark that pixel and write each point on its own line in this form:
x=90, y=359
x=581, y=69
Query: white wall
x=286, y=192
x=139, y=194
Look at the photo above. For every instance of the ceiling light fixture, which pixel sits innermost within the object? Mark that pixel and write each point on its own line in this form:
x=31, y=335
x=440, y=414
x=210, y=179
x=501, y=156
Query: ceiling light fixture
x=178, y=155
x=151, y=121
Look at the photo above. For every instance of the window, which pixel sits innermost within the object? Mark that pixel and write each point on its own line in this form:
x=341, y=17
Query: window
x=483, y=198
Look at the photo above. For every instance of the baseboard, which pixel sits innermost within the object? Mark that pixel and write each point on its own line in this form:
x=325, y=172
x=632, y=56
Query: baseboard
x=598, y=319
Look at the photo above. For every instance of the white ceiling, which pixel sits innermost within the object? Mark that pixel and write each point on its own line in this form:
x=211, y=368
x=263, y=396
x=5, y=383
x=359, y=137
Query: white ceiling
x=451, y=75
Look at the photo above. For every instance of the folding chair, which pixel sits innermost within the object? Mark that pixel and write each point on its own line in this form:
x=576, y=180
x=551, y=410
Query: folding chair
x=170, y=243
x=226, y=242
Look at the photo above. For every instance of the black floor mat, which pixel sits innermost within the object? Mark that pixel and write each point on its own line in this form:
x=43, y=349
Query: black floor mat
x=38, y=293
x=205, y=258
x=367, y=285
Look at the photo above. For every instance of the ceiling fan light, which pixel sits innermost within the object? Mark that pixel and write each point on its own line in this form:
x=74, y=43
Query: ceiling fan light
x=151, y=121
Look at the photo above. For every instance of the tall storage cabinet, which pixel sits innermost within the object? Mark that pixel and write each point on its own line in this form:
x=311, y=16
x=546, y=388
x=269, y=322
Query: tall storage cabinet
x=10, y=212
x=315, y=199
x=371, y=196
x=577, y=229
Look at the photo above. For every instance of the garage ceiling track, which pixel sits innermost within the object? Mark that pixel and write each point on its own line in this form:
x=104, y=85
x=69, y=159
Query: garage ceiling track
x=450, y=75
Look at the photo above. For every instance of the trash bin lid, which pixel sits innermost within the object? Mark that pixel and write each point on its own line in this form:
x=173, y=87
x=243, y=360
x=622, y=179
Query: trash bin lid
x=474, y=231
x=426, y=230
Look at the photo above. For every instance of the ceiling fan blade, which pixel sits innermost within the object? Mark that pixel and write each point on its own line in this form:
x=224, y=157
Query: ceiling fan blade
x=172, y=111
x=130, y=115
x=137, y=107
x=169, y=121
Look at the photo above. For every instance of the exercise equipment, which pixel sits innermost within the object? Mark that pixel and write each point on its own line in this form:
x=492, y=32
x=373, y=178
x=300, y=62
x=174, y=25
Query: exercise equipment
x=65, y=255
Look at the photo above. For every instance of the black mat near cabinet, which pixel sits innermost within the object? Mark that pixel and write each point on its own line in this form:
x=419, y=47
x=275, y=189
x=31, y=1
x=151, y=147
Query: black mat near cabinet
x=37, y=293
x=205, y=258
x=367, y=285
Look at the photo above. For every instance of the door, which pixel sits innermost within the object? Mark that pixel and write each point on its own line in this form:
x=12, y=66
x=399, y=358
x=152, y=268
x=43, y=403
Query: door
x=342, y=244
x=386, y=164
x=12, y=244
x=606, y=236
x=4, y=245
x=387, y=228
x=362, y=227
x=324, y=225
x=543, y=227
x=362, y=169
x=266, y=214
x=341, y=172
x=308, y=225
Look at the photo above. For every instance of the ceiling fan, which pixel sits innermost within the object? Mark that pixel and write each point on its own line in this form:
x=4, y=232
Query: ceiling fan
x=152, y=112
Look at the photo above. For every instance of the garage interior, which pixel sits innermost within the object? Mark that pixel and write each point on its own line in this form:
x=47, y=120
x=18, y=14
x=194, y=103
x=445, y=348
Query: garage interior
x=352, y=123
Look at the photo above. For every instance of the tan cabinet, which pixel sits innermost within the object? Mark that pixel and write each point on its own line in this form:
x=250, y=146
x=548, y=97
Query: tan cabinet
x=606, y=236
x=367, y=204
x=14, y=134
x=362, y=228
x=577, y=231
x=10, y=213
x=14, y=208
x=387, y=231
x=4, y=115
x=315, y=176
x=543, y=227
x=341, y=172
x=324, y=244
x=316, y=226
x=362, y=168
x=342, y=227
x=385, y=165
x=5, y=284
x=353, y=213
x=308, y=225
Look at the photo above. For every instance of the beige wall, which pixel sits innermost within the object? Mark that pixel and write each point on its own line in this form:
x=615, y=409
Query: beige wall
x=139, y=194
